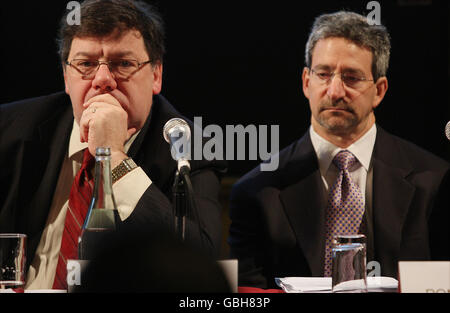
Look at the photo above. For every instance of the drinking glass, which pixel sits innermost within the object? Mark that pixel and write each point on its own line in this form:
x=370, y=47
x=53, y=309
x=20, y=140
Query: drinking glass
x=12, y=260
x=349, y=263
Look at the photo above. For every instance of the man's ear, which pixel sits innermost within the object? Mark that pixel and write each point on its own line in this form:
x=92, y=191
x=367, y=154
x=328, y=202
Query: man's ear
x=305, y=82
x=381, y=87
x=157, y=78
x=66, y=85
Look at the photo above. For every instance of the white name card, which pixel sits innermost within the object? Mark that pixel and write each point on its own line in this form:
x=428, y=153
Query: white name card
x=424, y=277
x=230, y=270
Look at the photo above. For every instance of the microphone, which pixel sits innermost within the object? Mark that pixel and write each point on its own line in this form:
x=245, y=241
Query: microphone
x=447, y=130
x=178, y=134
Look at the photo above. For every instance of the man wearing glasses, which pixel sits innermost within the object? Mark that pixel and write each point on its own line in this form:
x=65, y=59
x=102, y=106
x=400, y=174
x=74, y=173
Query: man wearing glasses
x=345, y=176
x=112, y=66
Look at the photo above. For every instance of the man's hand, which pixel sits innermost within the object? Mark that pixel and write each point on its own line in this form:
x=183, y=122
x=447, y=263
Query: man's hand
x=104, y=123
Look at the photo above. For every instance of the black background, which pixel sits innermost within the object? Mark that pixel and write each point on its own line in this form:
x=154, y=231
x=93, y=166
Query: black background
x=240, y=62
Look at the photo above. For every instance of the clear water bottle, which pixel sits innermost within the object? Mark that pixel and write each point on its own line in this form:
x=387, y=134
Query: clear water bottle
x=102, y=217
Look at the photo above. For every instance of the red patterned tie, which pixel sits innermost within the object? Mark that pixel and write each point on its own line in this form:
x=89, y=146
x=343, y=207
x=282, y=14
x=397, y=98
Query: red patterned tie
x=345, y=207
x=79, y=199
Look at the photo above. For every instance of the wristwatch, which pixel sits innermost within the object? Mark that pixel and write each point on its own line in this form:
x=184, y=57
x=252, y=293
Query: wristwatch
x=122, y=169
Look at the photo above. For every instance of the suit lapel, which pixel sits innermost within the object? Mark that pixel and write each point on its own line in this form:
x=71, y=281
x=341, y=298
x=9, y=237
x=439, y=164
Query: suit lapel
x=303, y=201
x=41, y=162
x=392, y=196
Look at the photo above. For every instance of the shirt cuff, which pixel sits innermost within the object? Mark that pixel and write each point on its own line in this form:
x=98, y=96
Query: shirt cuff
x=128, y=190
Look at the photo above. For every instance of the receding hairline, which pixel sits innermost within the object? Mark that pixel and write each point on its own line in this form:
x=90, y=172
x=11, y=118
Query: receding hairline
x=374, y=38
x=356, y=43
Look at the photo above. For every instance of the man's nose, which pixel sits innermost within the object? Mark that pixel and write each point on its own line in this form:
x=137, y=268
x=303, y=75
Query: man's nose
x=336, y=88
x=104, y=79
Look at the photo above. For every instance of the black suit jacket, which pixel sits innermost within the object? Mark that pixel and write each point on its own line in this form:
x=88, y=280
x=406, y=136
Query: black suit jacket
x=278, y=218
x=34, y=141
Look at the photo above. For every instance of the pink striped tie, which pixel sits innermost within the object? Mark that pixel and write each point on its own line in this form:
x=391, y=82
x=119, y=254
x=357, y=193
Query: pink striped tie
x=345, y=207
x=79, y=199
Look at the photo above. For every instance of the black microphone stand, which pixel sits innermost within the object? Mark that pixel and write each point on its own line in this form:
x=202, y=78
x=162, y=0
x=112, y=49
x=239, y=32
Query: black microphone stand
x=184, y=202
x=180, y=206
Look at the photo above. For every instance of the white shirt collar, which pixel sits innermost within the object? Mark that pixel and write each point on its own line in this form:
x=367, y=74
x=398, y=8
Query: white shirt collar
x=75, y=145
x=326, y=151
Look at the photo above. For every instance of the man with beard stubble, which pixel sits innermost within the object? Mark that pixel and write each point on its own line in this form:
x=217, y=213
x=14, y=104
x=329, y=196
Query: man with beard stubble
x=345, y=176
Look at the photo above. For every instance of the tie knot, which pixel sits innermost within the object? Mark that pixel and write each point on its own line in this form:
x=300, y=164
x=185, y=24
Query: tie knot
x=344, y=160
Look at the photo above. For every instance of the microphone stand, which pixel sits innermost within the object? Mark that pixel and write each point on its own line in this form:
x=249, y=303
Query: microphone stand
x=180, y=206
x=184, y=203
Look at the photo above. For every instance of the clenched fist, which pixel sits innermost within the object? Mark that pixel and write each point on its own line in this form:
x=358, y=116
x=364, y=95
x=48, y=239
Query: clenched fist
x=104, y=123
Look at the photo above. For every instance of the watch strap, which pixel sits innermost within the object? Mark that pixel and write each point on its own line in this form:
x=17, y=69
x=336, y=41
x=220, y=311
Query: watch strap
x=122, y=169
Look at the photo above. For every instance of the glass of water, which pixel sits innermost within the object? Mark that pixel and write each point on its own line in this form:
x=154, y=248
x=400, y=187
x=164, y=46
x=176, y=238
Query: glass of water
x=12, y=260
x=349, y=263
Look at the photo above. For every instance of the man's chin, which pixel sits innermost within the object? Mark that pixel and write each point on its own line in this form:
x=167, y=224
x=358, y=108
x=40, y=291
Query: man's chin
x=338, y=125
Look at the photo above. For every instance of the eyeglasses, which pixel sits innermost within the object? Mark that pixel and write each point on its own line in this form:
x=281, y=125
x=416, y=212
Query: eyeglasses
x=120, y=68
x=352, y=80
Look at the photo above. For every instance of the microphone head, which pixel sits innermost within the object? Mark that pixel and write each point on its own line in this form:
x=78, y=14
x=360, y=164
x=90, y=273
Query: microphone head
x=447, y=130
x=176, y=125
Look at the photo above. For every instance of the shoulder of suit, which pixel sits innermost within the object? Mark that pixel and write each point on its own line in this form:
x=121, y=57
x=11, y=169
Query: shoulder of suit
x=32, y=111
x=418, y=158
x=294, y=162
x=162, y=111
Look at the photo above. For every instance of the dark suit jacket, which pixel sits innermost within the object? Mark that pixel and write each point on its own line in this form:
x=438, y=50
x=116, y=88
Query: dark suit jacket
x=34, y=140
x=278, y=218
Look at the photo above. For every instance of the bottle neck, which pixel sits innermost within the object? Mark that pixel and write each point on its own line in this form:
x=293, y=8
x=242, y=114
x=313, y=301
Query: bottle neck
x=102, y=211
x=103, y=196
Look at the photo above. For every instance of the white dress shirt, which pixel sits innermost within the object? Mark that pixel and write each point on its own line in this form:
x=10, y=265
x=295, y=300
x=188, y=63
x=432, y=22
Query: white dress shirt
x=361, y=172
x=127, y=192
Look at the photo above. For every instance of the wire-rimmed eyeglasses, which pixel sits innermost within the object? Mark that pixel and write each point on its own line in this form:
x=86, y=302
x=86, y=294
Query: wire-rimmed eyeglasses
x=350, y=79
x=120, y=68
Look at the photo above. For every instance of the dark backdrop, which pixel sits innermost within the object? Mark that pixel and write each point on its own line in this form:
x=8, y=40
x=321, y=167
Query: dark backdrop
x=236, y=62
